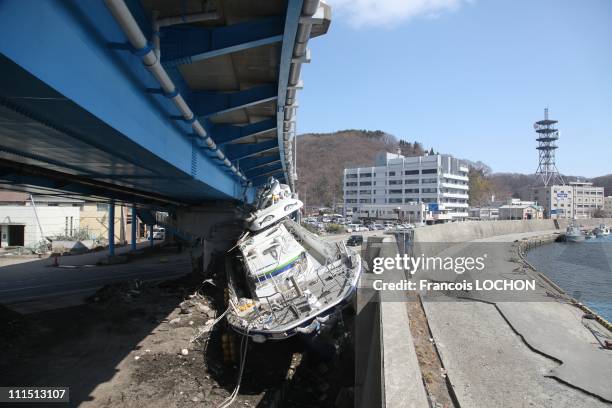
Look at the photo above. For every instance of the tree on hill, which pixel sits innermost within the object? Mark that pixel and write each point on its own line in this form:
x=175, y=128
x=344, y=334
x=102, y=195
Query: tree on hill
x=322, y=158
x=481, y=187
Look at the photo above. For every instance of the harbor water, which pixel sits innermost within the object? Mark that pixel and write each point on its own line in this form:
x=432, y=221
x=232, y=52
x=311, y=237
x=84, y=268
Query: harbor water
x=582, y=269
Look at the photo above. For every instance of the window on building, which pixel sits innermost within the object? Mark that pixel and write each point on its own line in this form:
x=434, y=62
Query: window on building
x=391, y=173
x=411, y=191
x=411, y=181
x=429, y=171
x=365, y=183
x=102, y=207
x=365, y=175
x=395, y=191
x=411, y=172
x=395, y=200
x=351, y=183
x=394, y=182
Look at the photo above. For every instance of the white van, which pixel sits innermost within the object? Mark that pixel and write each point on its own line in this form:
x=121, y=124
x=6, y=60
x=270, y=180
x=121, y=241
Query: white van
x=354, y=228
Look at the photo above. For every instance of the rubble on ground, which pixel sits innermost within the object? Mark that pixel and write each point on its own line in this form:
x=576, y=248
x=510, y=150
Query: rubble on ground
x=177, y=357
x=121, y=291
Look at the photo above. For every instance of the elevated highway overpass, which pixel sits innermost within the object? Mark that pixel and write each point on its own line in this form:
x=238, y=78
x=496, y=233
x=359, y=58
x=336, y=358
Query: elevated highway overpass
x=152, y=102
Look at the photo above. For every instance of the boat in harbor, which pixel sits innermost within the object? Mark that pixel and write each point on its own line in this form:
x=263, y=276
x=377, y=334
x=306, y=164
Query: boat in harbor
x=573, y=233
x=602, y=231
x=284, y=280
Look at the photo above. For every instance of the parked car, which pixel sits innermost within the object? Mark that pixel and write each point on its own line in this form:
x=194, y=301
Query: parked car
x=159, y=233
x=355, y=240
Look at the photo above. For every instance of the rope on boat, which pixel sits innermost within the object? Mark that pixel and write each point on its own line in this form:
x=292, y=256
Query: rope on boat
x=208, y=327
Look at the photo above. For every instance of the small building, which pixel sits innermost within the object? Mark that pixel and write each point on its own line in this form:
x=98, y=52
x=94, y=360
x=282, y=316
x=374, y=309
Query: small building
x=27, y=220
x=484, y=213
x=517, y=209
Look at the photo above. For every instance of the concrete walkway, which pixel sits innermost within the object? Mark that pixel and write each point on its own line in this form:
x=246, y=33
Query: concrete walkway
x=517, y=352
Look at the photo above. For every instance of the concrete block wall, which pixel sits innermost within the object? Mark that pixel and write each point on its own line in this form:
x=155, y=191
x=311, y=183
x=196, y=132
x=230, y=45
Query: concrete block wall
x=470, y=230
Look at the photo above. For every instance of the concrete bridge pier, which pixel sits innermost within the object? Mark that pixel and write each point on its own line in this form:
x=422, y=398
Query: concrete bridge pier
x=211, y=228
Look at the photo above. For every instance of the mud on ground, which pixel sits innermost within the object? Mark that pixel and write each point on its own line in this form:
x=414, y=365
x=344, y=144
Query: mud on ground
x=133, y=345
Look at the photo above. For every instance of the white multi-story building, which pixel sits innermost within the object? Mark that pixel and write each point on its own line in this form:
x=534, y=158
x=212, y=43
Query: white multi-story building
x=578, y=199
x=431, y=188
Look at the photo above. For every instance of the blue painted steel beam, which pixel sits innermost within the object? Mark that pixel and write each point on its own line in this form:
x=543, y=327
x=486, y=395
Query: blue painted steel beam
x=98, y=98
x=187, y=44
x=228, y=133
x=206, y=103
x=292, y=19
x=134, y=222
x=111, y=228
x=264, y=170
x=257, y=162
x=241, y=151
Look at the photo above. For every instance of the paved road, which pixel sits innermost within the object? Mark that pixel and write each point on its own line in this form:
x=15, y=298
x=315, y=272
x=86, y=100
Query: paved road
x=487, y=348
x=37, y=285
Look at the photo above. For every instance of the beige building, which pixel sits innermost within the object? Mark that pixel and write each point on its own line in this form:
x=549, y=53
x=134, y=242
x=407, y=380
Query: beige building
x=520, y=210
x=94, y=222
x=577, y=199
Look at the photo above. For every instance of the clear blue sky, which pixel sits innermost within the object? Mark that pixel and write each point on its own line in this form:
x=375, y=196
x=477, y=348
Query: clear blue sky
x=469, y=78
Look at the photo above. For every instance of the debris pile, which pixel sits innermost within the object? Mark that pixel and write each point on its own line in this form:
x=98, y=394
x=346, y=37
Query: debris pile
x=119, y=292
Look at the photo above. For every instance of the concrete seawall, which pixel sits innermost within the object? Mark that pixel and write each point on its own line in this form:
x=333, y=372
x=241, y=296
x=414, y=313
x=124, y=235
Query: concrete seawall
x=471, y=230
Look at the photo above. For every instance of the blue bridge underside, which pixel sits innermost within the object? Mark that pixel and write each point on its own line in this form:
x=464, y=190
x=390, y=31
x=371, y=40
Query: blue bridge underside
x=75, y=106
x=41, y=127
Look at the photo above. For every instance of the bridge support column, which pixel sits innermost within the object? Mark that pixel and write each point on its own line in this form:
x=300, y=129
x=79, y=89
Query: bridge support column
x=150, y=235
x=111, y=228
x=133, y=227
x=212, y=229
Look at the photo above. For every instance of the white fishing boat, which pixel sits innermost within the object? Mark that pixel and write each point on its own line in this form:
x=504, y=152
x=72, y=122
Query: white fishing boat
x=574, y=234
x=285, y=280
x=274, y=202
x=602, y=231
